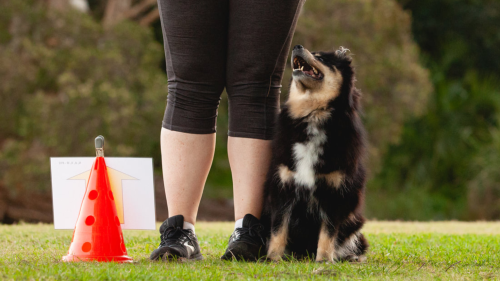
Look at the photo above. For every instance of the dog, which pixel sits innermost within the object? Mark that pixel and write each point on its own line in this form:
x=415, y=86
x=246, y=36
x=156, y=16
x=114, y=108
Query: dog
x=314, y=191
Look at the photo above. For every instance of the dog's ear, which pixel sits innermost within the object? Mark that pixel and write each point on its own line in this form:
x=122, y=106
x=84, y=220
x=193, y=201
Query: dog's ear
x=344, y=54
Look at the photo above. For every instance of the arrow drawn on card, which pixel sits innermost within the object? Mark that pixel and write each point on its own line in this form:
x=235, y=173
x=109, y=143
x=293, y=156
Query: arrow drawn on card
x=116, y=181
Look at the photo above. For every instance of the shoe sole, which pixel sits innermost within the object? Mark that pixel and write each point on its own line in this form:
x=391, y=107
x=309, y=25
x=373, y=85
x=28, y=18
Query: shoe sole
x=243, y=254
x=236, y=255
x=198, y=257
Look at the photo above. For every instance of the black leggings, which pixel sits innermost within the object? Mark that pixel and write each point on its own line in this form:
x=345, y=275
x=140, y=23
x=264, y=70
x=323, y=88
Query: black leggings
x=241, y=45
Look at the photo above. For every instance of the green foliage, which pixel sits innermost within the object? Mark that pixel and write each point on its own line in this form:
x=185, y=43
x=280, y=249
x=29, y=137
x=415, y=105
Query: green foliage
x=483, y=191
x=401, y=252
x=65, y=80
x=446, y=165
x=441, y=27
x=426, y=175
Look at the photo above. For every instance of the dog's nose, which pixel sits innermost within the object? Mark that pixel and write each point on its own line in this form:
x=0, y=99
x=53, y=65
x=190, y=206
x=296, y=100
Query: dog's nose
x=298, y=47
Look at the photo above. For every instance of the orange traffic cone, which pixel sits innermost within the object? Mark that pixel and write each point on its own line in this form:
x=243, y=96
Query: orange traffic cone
x=98, y=234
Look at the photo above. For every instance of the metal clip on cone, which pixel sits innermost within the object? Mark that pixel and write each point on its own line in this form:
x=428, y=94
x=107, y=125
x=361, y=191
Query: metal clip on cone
x=98, y=234
x=99, y=146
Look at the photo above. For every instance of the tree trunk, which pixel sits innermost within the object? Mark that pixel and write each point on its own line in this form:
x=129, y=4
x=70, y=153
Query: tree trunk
x=150, y=17
x=116, y=11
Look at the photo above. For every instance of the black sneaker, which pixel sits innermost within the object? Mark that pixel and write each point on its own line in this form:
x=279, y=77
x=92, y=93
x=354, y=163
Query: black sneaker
x=176, y=243
x=246, y=243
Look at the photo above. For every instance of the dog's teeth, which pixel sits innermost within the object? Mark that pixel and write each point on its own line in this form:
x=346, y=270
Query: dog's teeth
x=301, y=68
x=315, y=71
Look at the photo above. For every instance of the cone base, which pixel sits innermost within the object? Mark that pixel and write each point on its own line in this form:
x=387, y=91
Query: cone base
x=118, y=259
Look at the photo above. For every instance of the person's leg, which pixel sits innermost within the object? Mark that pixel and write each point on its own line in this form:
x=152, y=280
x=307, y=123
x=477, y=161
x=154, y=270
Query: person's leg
x=259, y=38
x=186, y=160
x=260, y=34
x=249, y=160
x=195, y=36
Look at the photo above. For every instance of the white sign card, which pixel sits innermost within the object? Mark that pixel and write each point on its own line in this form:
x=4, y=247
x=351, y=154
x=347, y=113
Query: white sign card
x=131, y=181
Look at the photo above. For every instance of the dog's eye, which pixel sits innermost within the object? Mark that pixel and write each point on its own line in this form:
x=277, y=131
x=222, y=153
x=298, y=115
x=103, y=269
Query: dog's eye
x=319, y=58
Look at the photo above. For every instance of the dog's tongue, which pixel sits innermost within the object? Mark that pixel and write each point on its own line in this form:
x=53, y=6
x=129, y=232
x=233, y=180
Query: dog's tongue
x=309, y=72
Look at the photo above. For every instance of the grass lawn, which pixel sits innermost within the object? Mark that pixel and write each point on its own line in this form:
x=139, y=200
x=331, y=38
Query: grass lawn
x=399, y=251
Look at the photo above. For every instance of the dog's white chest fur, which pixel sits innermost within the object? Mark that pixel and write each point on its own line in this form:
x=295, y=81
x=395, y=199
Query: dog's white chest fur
x=306, y=156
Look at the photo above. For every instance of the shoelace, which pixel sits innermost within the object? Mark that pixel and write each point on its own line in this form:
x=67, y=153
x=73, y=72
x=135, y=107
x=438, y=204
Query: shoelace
x=174, y=234
x=253, y=231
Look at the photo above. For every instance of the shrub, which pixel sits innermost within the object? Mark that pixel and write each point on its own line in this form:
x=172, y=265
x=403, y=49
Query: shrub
x=443, y=155
x=63, y=81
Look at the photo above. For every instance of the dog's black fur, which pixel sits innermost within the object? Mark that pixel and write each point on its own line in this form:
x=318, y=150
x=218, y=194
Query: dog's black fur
x=318, y=131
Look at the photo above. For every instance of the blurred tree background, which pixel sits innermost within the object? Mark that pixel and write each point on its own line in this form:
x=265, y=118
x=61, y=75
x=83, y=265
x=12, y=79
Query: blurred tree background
x=446, y=164
x=429, y=71
x=64, y=80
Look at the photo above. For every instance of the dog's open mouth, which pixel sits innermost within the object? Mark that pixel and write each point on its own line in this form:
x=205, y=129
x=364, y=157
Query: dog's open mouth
x=301, y=65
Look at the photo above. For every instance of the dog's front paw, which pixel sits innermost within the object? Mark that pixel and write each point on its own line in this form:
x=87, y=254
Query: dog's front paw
x=325, y=260
x=360, y=259
x=354, y=258
x=274, y=256
x=277, y=246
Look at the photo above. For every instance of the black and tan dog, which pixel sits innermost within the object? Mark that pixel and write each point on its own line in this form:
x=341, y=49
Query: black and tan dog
x=315, y=188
